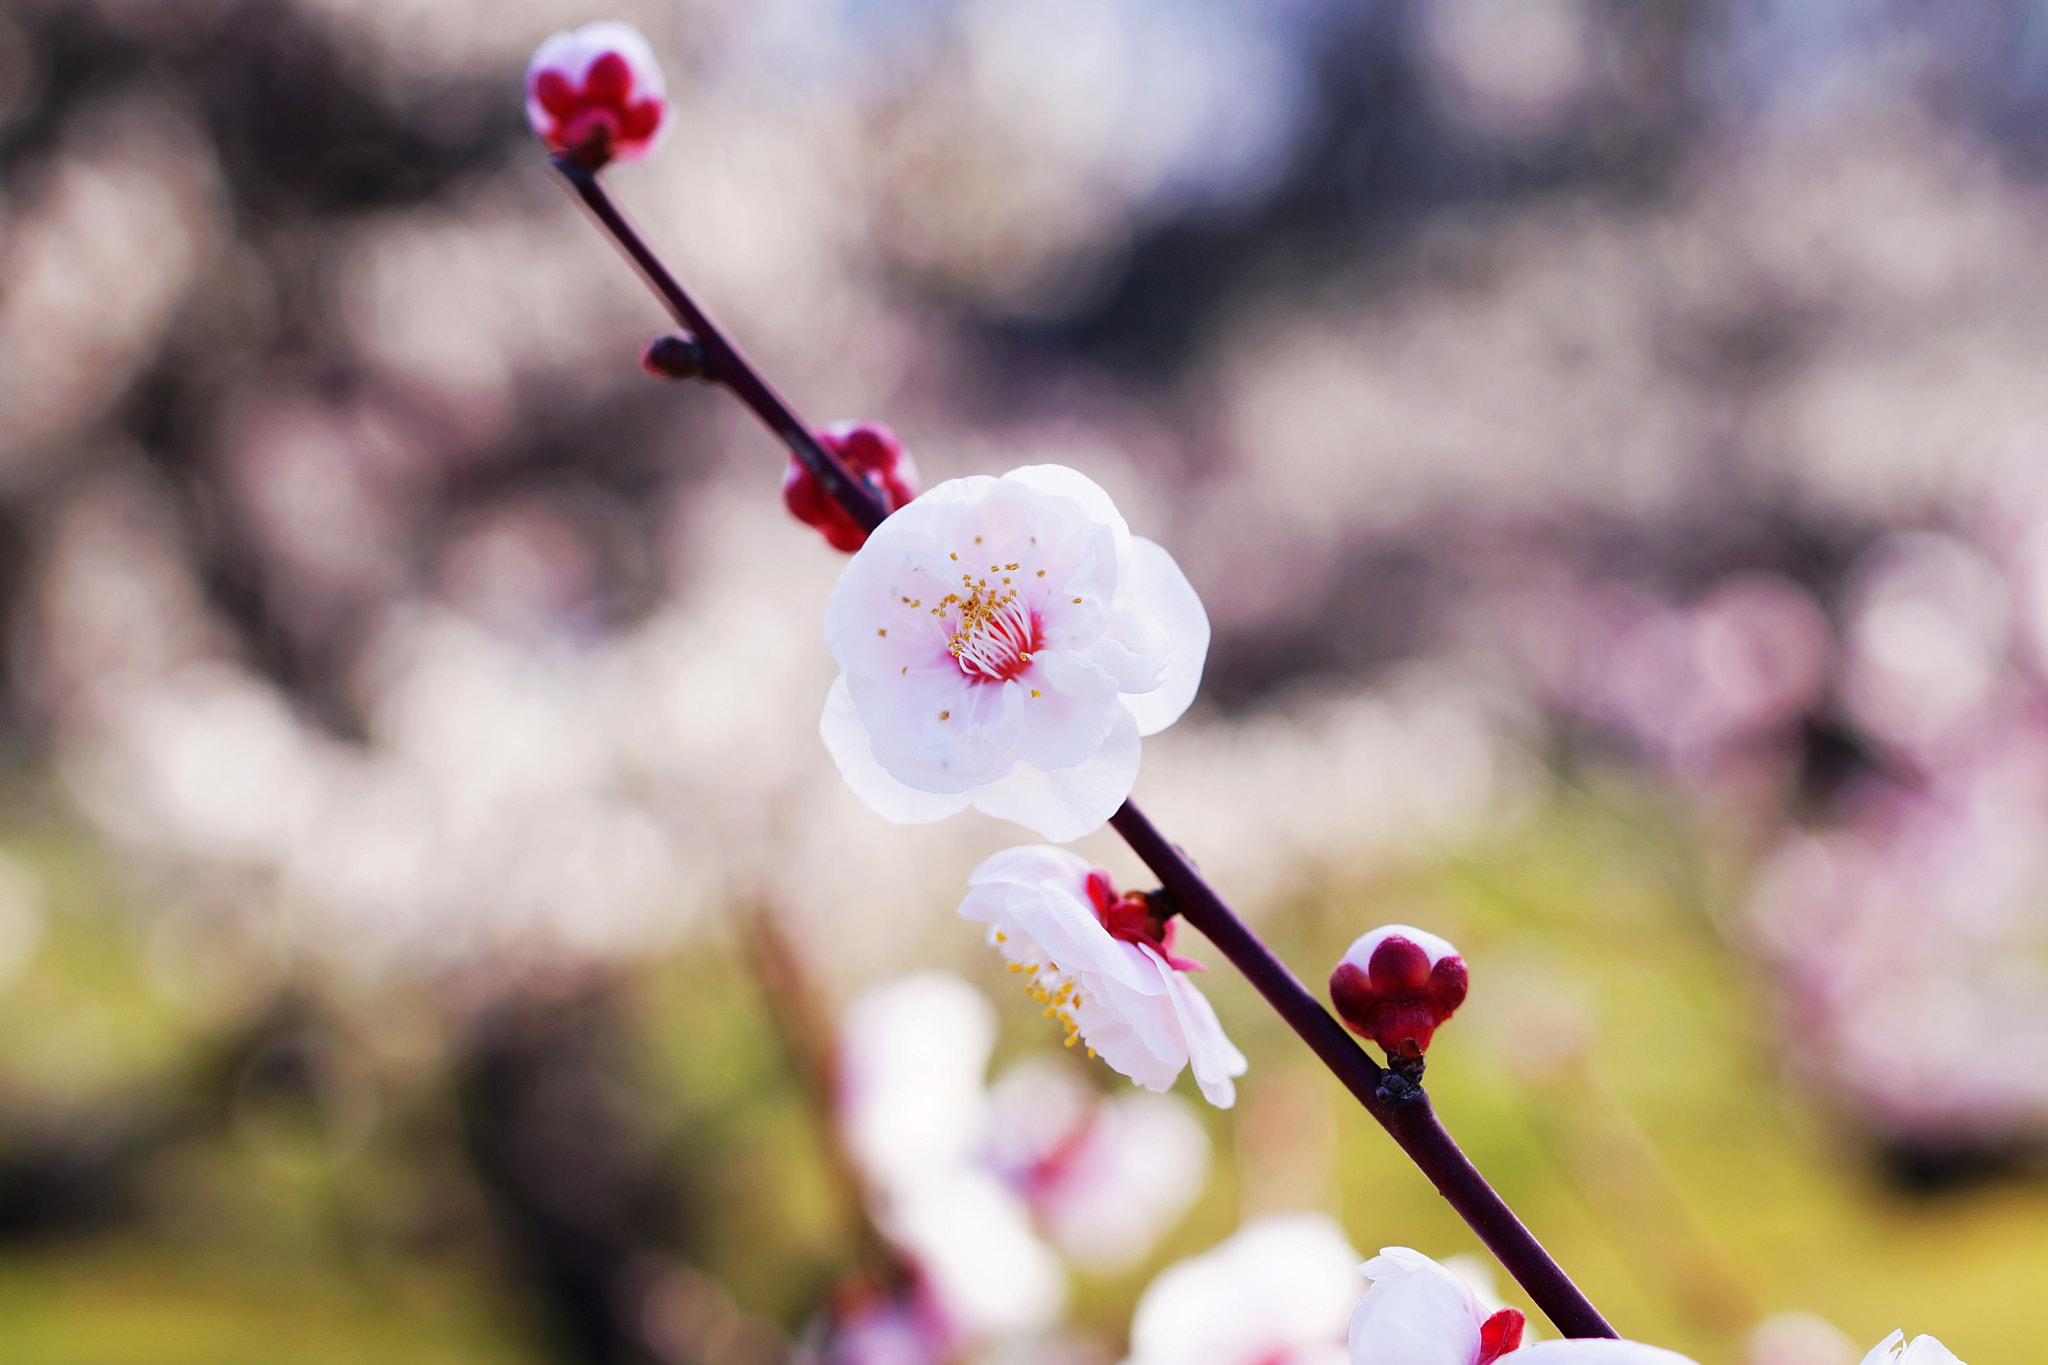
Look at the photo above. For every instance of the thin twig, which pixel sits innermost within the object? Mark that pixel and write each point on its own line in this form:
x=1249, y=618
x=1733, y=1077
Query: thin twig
x=722, y=360
x=1412, y=1121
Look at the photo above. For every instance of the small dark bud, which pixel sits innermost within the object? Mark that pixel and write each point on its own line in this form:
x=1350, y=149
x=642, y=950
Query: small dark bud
x=676, y=356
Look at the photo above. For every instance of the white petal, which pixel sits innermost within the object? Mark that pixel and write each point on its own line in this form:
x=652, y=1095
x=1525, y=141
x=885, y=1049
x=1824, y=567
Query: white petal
x=1922, y=1350
x=1134, y=671
x=573, y=54
x=1160, y=592
x=846, y=739
x=1066, y=708
x=1597, y=1351
x=1211, y=1055
x=1359, y=954
x=1417, y=1313
x=1135, y=1034
x=1030, y=863
x=938, y=732
x=1067, y=803
x=1094, y=502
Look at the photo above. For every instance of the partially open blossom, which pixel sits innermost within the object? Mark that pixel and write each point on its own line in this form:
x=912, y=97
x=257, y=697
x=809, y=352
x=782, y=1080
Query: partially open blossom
x=1419, y=1313
x=1276, y=1293
x=1396, y=986
x=876, y=458
x=1921, y=1350
x=1003, y=644
x=598, y=93
x=1103, y=964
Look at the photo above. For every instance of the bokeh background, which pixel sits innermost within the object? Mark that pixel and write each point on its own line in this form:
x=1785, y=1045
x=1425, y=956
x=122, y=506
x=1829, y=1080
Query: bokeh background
x=1611, y=440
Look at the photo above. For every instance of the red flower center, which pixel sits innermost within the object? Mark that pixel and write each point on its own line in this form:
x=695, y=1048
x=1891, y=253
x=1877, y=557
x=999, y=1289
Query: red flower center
x=1135, y=917
x=996, y=634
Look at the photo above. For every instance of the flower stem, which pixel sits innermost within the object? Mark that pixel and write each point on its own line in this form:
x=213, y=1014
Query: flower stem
x=1411, y=1120
x=722, y=360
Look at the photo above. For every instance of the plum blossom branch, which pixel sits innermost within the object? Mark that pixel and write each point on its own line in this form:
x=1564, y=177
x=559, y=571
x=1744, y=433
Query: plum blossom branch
x=722, y=361
x=1401, y=1107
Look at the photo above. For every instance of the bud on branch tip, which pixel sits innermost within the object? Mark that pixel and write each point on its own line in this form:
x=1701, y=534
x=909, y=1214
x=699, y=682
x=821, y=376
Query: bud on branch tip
x=597, y=94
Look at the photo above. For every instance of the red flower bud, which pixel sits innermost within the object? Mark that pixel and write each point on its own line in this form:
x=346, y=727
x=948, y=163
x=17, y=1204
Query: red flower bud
x=876, y=458
x=597, y=93
x=1396, y=985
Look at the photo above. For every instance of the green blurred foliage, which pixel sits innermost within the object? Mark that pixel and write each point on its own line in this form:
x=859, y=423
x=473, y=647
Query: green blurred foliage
x=1666, y=1160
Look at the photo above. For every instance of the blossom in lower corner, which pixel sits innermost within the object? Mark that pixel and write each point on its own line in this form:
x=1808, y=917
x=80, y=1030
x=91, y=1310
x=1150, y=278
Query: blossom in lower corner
x=1104, y=965
x=1420, y=1313
x=1003, y=643
x=1396, y=986
x=1921, y=1350
x=598, y=93
x=874, y=455
x=1275, y=1293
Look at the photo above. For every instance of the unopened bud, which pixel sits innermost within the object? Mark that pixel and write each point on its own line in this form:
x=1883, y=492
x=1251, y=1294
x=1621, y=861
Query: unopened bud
x=876, y=458
x=597, y=94
x=1396, y=985
x=676, y=356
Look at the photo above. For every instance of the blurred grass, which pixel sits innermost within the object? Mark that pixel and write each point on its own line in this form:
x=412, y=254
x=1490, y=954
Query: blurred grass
x=1665, y=1162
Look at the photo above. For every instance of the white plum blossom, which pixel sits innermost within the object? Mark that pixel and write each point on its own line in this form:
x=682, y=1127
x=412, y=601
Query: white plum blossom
x=1004, y=643
x=599, y=93
x=1921, y=1350
x=1275, y=1293
x=1104, y=965
x=1420, y=1313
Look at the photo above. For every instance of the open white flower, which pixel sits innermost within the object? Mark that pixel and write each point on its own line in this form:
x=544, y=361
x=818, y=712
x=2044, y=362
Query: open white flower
x=1275, y=1293
x=1003, y=643
x=1921, y=1350
x=1104, y=964
x=1419, y=1313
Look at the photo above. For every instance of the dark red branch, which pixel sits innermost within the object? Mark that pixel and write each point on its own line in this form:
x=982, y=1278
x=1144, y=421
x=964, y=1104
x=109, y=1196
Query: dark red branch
x=1411, y=1120
x=722, y=360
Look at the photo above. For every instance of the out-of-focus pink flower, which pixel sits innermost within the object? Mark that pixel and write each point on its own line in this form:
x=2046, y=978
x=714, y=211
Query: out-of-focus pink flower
x=1104, y=1177
x=1003, y=644
x=1396, y=985
x=913, y=1114
x=1921, y=1350
x=1276, y=1293
x=880, y=1328
x=1930, y=644
x=1899, y=938
x=875, y=456
x=1104, y=967
x=597, y=93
